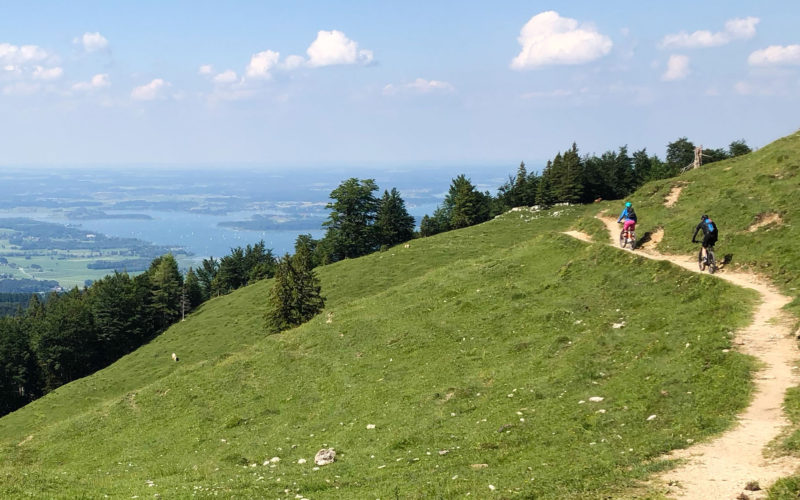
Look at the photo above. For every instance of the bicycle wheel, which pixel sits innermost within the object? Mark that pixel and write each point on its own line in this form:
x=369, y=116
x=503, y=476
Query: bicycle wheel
x=633, y=240
x=700, y=262
x=622, y=239
x=712, y=261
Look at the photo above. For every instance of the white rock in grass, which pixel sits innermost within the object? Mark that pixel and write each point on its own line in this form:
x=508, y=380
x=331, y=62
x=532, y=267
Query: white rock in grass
x=651, y=417
x=596, y=399
x=301, y=461
x=275, y=460
x=618, y=325
x=325, y=456
x=370, y=426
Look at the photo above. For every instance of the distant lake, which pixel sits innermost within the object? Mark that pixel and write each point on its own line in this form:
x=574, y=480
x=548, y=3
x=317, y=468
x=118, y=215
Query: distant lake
x=197, y=233
x=183, y=208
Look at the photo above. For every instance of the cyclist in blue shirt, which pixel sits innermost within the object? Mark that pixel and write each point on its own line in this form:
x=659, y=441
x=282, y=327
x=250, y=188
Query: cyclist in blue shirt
x=710, y=234
x=629, y=215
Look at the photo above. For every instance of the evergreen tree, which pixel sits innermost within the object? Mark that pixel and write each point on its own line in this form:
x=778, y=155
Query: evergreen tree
x=305, y=243
x=713, y=155
x=205, y=275
x=393, y=224
x=309, y=300
x=66, y=343
x=295, y=295
x=519, y=192
x=623, y=173
x=659, y=169
x=593, y=184
x=232, y=272
x=680, y=154
x=350, y=223
x=464, y=205
x=114, y=310
x=642, y=165
x=166, y=285
x=259, y=262
x=738, y=148
x=428, y=226
x=19, y=373
x=544, y=191
x=193, y=294
x=570, y=186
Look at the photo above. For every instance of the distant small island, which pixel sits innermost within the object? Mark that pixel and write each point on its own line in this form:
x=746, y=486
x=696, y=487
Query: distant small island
x=273, y=222
x=94, y=214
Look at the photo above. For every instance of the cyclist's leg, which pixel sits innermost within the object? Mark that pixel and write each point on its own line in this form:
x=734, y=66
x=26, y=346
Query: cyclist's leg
x=628, y=227
x=707, y=242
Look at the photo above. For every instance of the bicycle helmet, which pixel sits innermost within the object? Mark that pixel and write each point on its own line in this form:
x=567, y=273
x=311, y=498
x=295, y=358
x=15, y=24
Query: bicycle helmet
x=628, y=204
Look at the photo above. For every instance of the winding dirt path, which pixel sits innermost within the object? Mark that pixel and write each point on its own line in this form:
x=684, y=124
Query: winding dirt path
x=720, y=469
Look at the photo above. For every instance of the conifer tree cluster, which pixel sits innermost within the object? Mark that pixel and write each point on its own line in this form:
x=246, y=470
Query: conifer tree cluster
x=70, y=335
x=295, y=295
x=359, y=223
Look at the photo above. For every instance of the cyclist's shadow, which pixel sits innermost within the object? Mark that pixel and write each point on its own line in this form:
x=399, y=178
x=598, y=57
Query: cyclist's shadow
x=727, y=259
x=644, y=239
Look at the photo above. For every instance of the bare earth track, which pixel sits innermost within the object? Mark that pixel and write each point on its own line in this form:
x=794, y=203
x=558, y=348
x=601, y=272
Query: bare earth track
x=721, y=468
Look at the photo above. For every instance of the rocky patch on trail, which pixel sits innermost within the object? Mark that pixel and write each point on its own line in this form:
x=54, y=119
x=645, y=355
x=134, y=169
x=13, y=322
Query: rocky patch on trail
x=674, y=194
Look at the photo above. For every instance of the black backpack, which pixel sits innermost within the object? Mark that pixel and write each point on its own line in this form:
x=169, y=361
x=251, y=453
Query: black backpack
x=631, y=214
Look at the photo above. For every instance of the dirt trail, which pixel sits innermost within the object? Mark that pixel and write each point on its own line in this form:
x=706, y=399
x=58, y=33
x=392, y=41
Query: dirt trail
x=721, y=468
x=674, y=194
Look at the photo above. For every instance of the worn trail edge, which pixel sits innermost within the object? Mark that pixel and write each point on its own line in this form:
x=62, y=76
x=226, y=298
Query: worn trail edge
x=720, y=469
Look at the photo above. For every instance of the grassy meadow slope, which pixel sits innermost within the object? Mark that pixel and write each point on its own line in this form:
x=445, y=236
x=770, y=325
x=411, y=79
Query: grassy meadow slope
x=479, y=346
x=738, y=194
x=754, y=200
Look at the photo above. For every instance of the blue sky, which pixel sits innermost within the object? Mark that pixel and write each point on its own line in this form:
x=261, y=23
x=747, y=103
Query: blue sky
x=388, y=84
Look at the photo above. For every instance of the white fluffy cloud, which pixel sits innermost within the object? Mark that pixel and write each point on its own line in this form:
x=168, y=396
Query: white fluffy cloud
x=92, y=42
x=46, y=74
x=261, y=64
x=151, y=91
x=333, y=47
x=226, y=77
x=12, y=55
x=205, y=69
x=419, y=86
x=735, y=29
x=677, y=68
x=98, y=81
x=775, y=55
x=294, y=62
x=548, y=38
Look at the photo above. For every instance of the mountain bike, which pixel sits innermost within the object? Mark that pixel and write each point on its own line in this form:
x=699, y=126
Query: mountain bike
x=711, y=262
x=628, y=239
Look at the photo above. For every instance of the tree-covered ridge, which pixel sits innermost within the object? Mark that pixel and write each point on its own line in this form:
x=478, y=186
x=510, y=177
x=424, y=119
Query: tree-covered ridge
x=62, y=337
x=71, y=335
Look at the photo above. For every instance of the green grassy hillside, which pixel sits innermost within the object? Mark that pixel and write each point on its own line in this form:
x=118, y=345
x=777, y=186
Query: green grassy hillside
x=474, y=354
x=737, y=194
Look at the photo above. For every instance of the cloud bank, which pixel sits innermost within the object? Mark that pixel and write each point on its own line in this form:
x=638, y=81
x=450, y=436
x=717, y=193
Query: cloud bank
x=419, y=86
x=151, y=91
x=735, y=29
x=92, y=42
x=775, y=55
x=333, y=47
x=548, y=39
x=677, y=68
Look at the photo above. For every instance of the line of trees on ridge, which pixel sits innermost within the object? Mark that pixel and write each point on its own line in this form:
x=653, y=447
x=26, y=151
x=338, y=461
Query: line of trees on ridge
x=71, y=335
